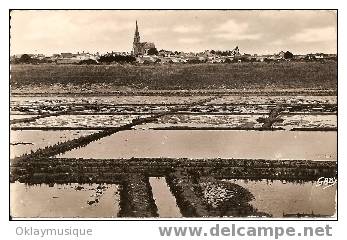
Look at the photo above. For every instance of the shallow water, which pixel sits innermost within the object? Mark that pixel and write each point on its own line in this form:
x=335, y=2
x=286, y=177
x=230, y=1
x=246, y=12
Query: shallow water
x=275, y=99
x=67, y=200
x=307, y=121
x=21, y=116
x=274, y=198
x=278, y=198
x=242, y=121
x=165, y=201
x=82, y=121
x=210, y=120
x=269, y=145
x=23, y=142
x=48, y=100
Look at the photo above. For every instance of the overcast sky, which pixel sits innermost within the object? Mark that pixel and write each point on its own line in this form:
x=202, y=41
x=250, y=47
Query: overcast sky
x=253, y=31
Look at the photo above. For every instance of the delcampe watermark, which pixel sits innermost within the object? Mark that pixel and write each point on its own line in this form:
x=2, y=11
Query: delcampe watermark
x=241, y=231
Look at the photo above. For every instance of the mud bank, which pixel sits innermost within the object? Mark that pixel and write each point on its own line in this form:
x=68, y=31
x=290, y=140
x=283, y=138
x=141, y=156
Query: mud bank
x=137, y=198
x=65, y=170
x=42, y=92
x=32, y=119
x=194, y=198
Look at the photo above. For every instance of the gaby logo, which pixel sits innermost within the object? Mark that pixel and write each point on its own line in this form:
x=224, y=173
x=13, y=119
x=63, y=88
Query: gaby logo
x=326, y=182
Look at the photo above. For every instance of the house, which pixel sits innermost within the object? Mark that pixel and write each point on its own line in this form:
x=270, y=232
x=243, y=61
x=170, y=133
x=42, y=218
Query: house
x=66, y=55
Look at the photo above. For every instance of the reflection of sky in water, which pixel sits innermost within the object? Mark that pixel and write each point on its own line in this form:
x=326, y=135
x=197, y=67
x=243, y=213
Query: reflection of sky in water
x=275, y=99
x=278, y=198
x=106, y=100
x=64, y=200
x=307, y=121
x=82, y=121
x=20, y=116
x=165, y=201
x=211, y=144
x=264, y=197
x=209, y=120
x=30, y=140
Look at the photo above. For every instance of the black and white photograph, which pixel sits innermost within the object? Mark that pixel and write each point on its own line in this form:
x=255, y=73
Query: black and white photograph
x=173, y=114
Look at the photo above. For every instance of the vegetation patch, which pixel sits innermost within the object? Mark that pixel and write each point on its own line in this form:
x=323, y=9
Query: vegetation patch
x=175, y=77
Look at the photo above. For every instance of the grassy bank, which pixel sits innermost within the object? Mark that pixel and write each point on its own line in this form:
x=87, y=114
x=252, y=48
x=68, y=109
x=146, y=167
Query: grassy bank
x=178, y=76
x=65, y=170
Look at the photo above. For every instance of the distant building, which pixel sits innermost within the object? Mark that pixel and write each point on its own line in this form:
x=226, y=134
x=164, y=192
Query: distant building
x=140, y=48
x=236, y=52
x=165, y=53
x=281, y=54
x=66, y=55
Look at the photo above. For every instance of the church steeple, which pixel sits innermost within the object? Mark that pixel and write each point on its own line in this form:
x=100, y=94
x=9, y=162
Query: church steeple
x=137, y=34
x=140, y=48
x=136, y=43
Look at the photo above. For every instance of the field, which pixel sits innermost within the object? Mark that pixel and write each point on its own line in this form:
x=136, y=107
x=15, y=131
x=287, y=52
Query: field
x=108, y=78
x=209, y=140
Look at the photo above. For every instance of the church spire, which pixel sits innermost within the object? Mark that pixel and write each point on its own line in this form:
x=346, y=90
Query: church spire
x=136, y=42
x=136, y=29
x=137, y=34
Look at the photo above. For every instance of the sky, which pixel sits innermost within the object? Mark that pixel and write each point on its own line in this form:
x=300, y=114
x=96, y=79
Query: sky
x=254, y=32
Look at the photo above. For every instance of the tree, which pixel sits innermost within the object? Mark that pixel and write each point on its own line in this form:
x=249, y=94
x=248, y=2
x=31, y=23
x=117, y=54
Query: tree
x=147, y=62
x=152, y=51
x=227, y=60
x=116, y=58
x=288, y=55
x=25, y=58
x=193, y=61
x=88, y=61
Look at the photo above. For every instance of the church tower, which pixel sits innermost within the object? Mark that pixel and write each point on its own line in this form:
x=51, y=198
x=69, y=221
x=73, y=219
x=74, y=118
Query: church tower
x=140, y=48
x=136, y=42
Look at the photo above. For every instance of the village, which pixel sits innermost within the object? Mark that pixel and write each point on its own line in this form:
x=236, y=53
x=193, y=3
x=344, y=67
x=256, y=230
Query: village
x=169, y=57
x=147, y=53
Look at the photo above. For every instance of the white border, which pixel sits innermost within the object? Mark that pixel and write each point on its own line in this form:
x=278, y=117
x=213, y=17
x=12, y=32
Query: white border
x=147, y=229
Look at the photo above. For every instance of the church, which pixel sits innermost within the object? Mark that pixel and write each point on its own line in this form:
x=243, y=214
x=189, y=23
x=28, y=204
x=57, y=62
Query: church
x=140, y=48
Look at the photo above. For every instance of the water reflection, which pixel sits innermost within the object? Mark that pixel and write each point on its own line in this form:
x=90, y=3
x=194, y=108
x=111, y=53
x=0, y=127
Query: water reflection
x=280, y=198
x=211, y=144
x=26, y=141
x=228, y=199
x=164, y=199
x=174, y=196
x=64, y=200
